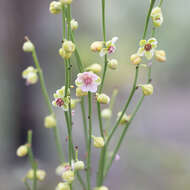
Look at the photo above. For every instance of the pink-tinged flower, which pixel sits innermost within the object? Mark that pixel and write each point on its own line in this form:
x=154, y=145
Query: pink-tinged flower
x=109, y=47
x=88, y=81
x=117, y=157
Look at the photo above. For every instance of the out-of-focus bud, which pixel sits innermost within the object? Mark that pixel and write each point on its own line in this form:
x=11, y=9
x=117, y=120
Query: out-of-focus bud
x=68, y=46
x=55, y=7
x=95, y=68
x=113, y=64
x=124, y=119
x=22, y=151
x=66, y=2
x=28, y=46
x=157, y=16
x=102, y=98
x=50, y=121
x=97, y=46
x=160, y=55
x=40, y=174
x=68, y=176
x=63, y=186
x=30, y=74
x=135, y=59
x=101, y=188
x=147, y=89
x=74, y=24
x=74, y=102
x=80, y=93
x=106, y=113
x=98, y=142
x=79, y=165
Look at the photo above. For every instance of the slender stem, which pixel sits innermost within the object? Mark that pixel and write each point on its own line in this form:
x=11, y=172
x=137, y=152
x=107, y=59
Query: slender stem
x=160, y=4
x=81, y=181
x=148, y=18
x=89, y=141
x=32, y=160
x=48, y=102
x=26, y=184
x=103, y=20
x=63, y=21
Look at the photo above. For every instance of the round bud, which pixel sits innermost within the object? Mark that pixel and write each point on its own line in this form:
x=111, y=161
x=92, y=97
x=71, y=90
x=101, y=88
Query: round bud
x=147, y=89
x=68, y=46
x=68, y=176
x=28, y=46
x=74, y=24
x=135, y=59
x=40, y=174
x=124, y=119
x=95, y=68
x=160, y=55
x=22, y=151
x=50, y=121
x=55, y=7
x=113, y=64
x=102, y=98
x=79, y=165
x=64, y=54
x=98, y=142
x=63, y=186
x=97, y=46
x=106, y=113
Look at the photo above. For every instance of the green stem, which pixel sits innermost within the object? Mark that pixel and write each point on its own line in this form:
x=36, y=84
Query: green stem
x=32, y=160
x=160, y=4
x=48, y=102
x=26, y=184
x=63, y=21
x=89, y=141
x=148, y=18
x=81, y=181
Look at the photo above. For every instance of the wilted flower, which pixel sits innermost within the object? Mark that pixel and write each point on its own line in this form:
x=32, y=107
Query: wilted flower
x=157, y=16
x=109, y=47
x=88, y=81
x=55, y=7
x=30, y=74
x=60, y=99
x=147, y=48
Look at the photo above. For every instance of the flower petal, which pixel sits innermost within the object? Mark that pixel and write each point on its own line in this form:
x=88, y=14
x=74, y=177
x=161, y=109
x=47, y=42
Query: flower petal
x=142, y=43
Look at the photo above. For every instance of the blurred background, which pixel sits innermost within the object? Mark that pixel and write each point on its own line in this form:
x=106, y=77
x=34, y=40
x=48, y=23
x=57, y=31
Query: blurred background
x=155, y=154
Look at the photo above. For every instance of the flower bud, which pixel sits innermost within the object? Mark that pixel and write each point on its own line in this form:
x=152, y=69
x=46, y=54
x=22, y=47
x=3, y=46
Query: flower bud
x=50, y=121
x=55, y=7
x=95, y=68
x=64, y=54
x=22, y=151
x=79, y=165
x=80, y=93
x=113, y=64
x=63, y=186
x=101, y=188
x=98, y=142
x=157, y=16
x=135, y=59
x=160, y=55
x=68, y=176
x=40, y=174
x=68, y=46
x=124, y=119
x=97, y=46
x=66, y=2
x=102, y=98
x=147, y=89
x=28, y=46
x=74, y=24
x=30, y=74
x=106, y=113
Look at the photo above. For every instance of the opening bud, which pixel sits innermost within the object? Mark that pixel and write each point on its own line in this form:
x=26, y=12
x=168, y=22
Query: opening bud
x=102, y=98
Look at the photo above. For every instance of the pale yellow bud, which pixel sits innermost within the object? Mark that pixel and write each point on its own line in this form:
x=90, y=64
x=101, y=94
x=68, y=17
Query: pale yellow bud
x=156, y=11
x=101, y=188
x=106, y=113
x=113, y=64
x=135, y=59
x=55, y=7
x=97, y=46
x=22, y=151
x=40, y=174
x=102, y=98
x=98, y=142
x=79, y=165
x=157, y=16
x=68, y=46
x=80, y=93
x=68, y=176
x=74, y=24
x=147, y=89
x=124, y=119
x=64, y=54
x=95, y=68
x=66, y=2
x=30, y=74
x=160, y=55
x=50, y=121
x=63, y=186
x=28, y=46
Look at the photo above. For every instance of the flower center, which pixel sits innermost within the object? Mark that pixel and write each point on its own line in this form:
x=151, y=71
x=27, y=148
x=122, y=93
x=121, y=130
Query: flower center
x=111, y=49
x=59, y=102
x=87, y=80
x=148, y=47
